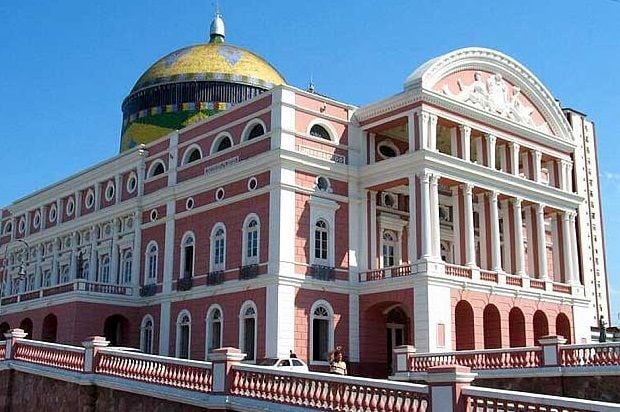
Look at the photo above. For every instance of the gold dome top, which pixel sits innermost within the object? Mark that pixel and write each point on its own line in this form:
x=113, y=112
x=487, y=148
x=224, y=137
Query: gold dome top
x=211, y=61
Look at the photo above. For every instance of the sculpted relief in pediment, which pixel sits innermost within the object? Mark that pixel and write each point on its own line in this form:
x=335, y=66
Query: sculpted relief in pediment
x=491, y=93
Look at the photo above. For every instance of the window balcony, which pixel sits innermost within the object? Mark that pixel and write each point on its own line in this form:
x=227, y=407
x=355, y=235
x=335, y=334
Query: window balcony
x=184, y=284
x=248, y=272
x=148, y=290
x=215, y=278
x=321, y=272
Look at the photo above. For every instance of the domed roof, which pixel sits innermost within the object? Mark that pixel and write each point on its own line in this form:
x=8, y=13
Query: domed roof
x=215, y=61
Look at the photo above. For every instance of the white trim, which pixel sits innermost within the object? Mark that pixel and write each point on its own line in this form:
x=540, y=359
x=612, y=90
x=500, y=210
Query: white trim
x=109, y=191
x=219, y=194
x=148, y=280
x=218, y=139
x=245, y=260
x=189, y=206
x=145, y=319
x=323, y=209
x=152, y=167
x=189, y=151
x=53, y=212
x=330, y=332
x=246, y=305
x=131, y=177
x=70, y=206
x=253, y=181
x=177, y=347
x=182, y=246
x=391, y=145
x=324, y=124
x=89, y=200
x=221, y=265
x=249, y=126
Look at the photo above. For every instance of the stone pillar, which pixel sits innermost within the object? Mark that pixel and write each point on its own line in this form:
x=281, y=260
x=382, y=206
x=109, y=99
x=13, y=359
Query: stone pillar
x=432, y=132
x=411, y=135
x=551, y=349
x=136, y=251
x=402, y=358
x=537, y=166
x=567, y=252
x=91, y=345
x=483, y=239
x=514, y=158
x=466, y=142
x=456, y=224
x=470, y=241
x=92, y=262
x=491, y=141
x=496, y=251
x=425, y=216
x=569, y=177
x=434, y=198
x=445, y=384
x=506, y=256
x=74, y=254
x=518, y=241
x=542, y=241
x=574, y=253
x=557, y=249
x=373, y=230
x=78, y=203
x=454, y=145
x=114, y=253
x=119, y=188
x=11, y=338
x=223, y=360
x=503, y=159
x=412, y=239
x=479, y=152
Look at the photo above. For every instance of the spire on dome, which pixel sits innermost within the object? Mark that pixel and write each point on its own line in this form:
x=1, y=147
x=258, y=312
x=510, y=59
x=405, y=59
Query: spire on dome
x=217, y=32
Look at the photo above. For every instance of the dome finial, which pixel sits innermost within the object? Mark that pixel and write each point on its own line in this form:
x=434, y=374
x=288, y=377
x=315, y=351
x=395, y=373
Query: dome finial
x=217, y=33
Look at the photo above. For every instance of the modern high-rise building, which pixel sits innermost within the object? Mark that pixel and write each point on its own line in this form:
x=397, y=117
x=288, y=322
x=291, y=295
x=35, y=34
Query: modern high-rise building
x=461, y=212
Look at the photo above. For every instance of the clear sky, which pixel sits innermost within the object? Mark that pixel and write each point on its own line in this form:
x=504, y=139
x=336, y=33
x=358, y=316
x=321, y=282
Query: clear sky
x=65, y=66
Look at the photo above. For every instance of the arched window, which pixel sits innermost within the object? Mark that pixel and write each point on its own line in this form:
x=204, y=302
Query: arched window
x=247, y=330
x=192, y=154
x=464, y=324
x=64, y=274
x=218, y=248
x=322, y=331
x=222, y=142
x=562, y=327
x=127, y=267
x=214, y=328
x=146, y=334
x=389, y=248
x=184, y=328
x=157, y=168
x=320, y=132
x=541, y=325
x=256, y=131
x=104, y=270
x=251, y=240
x=516, y=328
x=151, y=263
x=321, y=242
x=492, y=327
x=86, y=270
x=187, y=256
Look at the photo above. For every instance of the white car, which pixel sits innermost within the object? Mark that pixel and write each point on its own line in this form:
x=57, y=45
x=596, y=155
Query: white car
x=285, y=364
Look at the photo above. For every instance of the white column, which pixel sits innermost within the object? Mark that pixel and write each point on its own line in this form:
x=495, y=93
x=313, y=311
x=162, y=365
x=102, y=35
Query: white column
x=43, y=219
x=470, y=241
x=423, y=119
x=574, y=253
x=412, y=246
x=453, y=142
x=432, y=132
x=502, y=158
x=373, y=230
x=496, y=254
x=525, y=158
x=114, y=253
x=97, y=196
x=482, y=230
x=136, y=251
x=491, y=141
x=530, y=267
x=466, y=142
x=411, y=131
x=514, y=160
x=456, y=225
x=537, y=166
x=507, y=258
x=519, y=251
x=479, y=155
x=74, y=255
x=169, y=246
x=92, y=262
x=59, y=213
x=119, y=188
x=555, y=239
x=542, y=241
x=567, y=252
x=425, y=212
x=569, y=177
x=78, y=203
x=434, y=198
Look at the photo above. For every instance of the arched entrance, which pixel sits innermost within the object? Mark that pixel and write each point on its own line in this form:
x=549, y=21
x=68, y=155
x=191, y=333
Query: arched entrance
x=562, y=327
x=464, y=326
x=26, y=325
x=116, y=330
x=396, y=325
x=541, y=326
x=492, y=326
x=50, y=328
x=516, y=322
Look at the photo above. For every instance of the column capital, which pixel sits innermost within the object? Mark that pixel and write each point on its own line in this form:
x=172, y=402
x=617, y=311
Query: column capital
x=493, y=195
x=514, y=145
x=432, y=118
x=516, y=202
x=425, y=115
x=454, y=189
x=434, y=178
x=465, y=129
x=539, y=208
x=468, y=188
x=492, y=138
x=425, y=176
x=537, y=155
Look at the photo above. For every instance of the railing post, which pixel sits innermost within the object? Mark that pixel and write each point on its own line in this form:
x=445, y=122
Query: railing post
x=551, y=349
x=402, y=358
x=445, y=386
x=223, y=360
x=92, y=345
x=11, y=338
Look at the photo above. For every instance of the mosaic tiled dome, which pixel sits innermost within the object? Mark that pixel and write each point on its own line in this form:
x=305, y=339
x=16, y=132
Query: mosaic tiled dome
x=191, y=84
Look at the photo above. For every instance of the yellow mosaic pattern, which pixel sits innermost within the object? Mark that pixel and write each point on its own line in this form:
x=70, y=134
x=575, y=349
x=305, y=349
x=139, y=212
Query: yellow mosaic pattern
x=139, y=133
x=211, y=61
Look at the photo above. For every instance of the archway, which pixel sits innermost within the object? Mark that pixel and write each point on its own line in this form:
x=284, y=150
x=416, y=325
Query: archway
x=562, y=327
x=541, y=326
x=396, y=326
x=516, y=328
x=492, y=327
x=116, y=330
x=4, y=328
x=50, y=328
x=26, y=325
x=464, y=326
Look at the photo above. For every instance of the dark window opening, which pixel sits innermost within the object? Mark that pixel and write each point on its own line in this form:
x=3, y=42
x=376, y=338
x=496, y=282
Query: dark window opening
x=256, y=131
x=320, y=132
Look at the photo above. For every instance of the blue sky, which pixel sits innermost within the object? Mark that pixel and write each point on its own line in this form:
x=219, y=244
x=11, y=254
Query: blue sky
x=67, y=65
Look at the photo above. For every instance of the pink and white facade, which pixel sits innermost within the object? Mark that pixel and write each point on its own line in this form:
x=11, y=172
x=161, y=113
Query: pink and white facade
x=461, y=213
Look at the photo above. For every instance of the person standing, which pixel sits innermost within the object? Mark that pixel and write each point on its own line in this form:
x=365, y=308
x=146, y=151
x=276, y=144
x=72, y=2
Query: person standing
x=337, y=365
